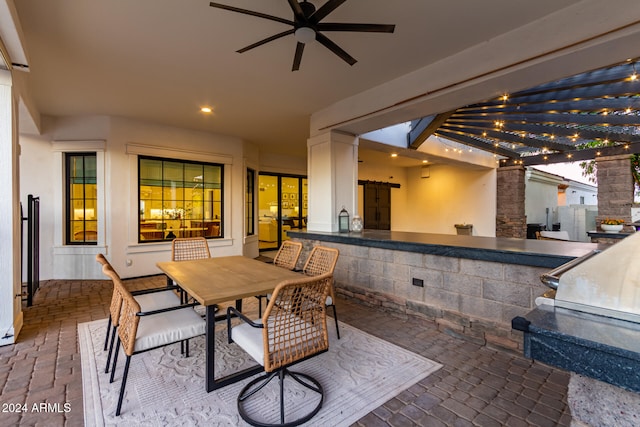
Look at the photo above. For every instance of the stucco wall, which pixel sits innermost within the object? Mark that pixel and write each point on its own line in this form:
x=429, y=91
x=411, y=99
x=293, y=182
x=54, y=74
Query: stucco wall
x=41, y=175
x=451, y=195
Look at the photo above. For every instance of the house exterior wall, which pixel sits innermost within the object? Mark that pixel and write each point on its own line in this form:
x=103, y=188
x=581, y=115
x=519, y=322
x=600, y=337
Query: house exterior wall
x=451, y=195
x=123, y=140
x=541, y=197
x=551, y=199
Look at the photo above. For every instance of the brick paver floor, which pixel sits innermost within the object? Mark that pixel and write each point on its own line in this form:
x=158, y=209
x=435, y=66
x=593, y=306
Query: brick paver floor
x=41, y=384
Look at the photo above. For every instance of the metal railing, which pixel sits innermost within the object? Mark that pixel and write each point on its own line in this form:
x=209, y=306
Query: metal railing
x=33, y=248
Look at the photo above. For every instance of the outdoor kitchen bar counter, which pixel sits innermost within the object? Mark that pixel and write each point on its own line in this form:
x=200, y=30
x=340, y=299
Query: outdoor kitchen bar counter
x=527, y=252
x=603, y=354
x=559, y=337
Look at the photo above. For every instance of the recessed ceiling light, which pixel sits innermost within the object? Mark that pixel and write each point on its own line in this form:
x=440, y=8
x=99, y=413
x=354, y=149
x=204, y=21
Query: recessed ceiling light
x=206, y=109
x=394, y=155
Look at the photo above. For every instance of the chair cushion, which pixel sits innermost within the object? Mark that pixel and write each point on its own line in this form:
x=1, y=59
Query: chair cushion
x=166, y=328
x=157, y=300
x=250, y=340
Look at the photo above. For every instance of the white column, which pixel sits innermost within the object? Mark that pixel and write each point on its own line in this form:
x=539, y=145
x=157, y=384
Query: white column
x=10, y=283
x=333, y=179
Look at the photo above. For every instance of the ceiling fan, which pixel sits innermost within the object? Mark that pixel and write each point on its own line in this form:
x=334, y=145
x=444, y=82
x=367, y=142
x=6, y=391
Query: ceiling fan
x=307, y=27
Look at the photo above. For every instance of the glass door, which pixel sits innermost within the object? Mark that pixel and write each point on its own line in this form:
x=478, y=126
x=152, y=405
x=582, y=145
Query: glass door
x=282, y=206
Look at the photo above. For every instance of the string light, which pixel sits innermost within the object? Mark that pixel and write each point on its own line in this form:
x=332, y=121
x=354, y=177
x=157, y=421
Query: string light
x=633, y=76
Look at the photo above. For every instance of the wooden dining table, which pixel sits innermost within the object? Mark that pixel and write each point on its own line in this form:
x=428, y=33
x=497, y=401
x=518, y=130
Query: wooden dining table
x=213, y=281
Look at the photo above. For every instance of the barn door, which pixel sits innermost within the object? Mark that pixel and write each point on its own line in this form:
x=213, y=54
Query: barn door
x=377, y=206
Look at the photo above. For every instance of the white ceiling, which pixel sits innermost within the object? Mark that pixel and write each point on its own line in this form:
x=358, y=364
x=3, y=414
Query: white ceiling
x=161, y=60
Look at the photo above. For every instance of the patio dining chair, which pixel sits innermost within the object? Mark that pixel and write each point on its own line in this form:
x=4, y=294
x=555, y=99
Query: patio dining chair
x=149, y=299
x=286, y=257
x=292, y=329
x=141, y=331
x=186, y=249
x=323, y=260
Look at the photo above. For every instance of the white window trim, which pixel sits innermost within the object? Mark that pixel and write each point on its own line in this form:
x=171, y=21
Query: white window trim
x=60, y=148
x=134, y=150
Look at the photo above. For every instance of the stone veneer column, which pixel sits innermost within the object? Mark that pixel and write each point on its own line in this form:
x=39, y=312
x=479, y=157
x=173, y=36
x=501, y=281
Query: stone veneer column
x=511, y=220
x=615, y=187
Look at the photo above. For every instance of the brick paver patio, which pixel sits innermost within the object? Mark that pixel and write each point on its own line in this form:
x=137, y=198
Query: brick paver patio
x=41, y=384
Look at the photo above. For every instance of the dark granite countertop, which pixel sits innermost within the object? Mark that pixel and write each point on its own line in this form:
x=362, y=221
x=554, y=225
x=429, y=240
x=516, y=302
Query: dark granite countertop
x=599, y=347
x=603, y=234
x=601, y=332
x=536, y=253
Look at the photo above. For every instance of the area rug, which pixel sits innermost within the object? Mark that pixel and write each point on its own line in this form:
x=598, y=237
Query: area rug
x=359, y=373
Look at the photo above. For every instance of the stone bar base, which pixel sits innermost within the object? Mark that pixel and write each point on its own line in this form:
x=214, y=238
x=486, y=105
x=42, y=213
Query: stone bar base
x=471, y=286
x=491, y=334
x=595, y=403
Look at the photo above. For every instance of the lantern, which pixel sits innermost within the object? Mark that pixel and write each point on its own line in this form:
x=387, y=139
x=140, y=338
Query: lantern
x=343, y=221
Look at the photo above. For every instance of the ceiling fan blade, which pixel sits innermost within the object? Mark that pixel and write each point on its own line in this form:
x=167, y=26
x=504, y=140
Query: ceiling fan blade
x=325, y=9
x=298, y=57
x=365, y=28
x=267, y=40
x=335, y=49
x=251, y=12
x=297, y=10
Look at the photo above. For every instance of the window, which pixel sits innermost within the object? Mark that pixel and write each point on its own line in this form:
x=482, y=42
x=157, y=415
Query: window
x=250, y=202
x=179, y=199
x=81, y=199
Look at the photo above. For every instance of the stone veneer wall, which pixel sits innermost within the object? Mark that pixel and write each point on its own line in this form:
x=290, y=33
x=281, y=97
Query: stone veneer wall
x=469, y=299
x=615, y=188
x=511, y=220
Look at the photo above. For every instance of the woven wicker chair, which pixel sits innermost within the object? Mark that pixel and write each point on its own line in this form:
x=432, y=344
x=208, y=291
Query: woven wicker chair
x=323, y=260
x=186, y=249
x=141, y=331
x=286, y=257
x=293, y=328
x=149, y=299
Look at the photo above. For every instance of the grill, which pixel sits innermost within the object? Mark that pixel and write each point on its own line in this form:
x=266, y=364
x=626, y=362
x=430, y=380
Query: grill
x=589, y=322
x=605, y=283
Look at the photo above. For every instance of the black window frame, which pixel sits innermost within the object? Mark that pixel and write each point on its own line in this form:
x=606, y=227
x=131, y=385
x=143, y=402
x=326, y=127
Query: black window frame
x=250, y=202
x=220, y=221
x=69, y=199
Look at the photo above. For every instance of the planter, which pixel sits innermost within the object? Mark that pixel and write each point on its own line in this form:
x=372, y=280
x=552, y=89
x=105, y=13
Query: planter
x=610, y=228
